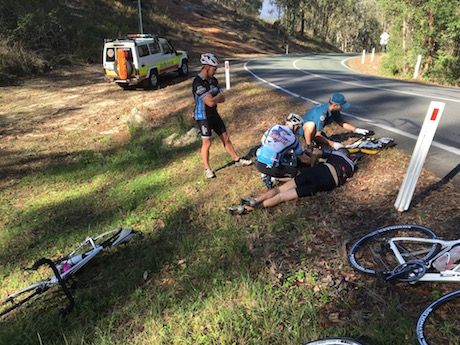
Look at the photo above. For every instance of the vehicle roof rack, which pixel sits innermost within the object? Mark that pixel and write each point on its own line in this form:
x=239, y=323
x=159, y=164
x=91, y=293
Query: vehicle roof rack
x=131, y=37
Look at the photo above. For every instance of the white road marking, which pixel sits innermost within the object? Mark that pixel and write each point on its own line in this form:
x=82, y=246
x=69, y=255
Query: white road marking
x=373, y=123
x=371, y=87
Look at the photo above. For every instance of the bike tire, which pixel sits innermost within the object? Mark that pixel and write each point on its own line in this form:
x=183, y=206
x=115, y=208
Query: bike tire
x=110, y=238
x=440, y=322
x=371, y=254
x=21, y=297
x=336, y=341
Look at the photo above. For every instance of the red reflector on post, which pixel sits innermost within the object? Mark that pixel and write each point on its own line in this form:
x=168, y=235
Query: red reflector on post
x=434, y=115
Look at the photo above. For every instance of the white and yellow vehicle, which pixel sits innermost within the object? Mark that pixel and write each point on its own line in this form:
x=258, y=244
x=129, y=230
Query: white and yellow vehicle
x=140, y=59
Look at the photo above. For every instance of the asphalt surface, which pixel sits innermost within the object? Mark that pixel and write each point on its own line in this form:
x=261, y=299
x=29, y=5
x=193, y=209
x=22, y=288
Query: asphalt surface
x=391, y=108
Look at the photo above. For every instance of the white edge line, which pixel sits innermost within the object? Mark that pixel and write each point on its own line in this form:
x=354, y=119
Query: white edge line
x=387, y=128
x=369, y=86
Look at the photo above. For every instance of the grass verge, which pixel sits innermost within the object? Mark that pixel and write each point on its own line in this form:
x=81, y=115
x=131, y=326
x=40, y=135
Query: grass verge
x=198, y=275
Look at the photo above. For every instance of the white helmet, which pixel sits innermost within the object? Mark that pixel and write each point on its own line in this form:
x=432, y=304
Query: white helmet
x=295, y=119
x=209, y=59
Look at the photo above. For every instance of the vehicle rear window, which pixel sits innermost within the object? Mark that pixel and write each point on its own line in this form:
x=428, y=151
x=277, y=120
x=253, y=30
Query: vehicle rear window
x=154, y=48
x=110, y=54
x=143, y=50
x=129, y=56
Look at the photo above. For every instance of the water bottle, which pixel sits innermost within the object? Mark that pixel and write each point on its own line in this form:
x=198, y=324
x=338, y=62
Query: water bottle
x=447, y=260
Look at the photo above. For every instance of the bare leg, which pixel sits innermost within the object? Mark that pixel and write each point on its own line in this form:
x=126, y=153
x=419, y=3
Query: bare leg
x=309, y=130
x=290, y=194
x=270, y=198
x=205, y=151
x=279, y=194
x=228, y=146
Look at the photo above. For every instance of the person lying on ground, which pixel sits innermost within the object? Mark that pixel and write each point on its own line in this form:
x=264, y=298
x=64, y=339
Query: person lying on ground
x=320, y=178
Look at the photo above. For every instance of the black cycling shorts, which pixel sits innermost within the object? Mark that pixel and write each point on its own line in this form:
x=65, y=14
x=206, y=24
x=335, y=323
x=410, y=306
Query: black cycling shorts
x=280, y=171
x=314, y=180
x=213, y=123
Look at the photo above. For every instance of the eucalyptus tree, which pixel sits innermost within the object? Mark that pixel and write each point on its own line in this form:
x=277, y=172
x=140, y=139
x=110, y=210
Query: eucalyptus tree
x=427, y=27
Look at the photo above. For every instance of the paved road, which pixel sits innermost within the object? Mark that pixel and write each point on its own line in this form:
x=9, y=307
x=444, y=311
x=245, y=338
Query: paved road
x=389, y=107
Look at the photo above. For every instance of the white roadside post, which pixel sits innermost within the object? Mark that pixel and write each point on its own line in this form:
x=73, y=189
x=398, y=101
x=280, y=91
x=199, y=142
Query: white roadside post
x=419, y=155
x=372, y=55
x=287, y=49
x=227, y=75
x=364, y=54
x=417, y=67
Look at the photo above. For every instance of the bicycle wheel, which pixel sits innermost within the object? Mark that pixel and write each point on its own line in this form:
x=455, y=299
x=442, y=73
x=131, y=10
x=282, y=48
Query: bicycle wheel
x=372, y=253
x=19, y=298
x=114, y=237
x=335, y=341
x=440, y=322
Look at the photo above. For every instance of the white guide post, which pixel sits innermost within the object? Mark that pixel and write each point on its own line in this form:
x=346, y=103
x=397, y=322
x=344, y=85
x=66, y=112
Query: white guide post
x=417, y=67
x=287, y=49
x=419, y=155
x=364, y=55
x=372, y=55
x=227, y=75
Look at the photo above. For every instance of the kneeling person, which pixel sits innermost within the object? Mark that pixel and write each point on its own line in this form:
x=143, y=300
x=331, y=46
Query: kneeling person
x=278, y=141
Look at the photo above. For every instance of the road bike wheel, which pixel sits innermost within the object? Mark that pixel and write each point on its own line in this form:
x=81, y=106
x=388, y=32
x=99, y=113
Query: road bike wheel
x=440, y=322
x=335, y=341
x=372, y=253
x=19, y=298
x=114, y=237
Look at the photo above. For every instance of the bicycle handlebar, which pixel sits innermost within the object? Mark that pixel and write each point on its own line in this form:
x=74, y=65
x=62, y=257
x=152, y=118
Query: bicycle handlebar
x=46, y=261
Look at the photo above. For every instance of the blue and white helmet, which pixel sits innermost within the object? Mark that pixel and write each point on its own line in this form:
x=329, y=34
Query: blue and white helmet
x=209, y=59
x=295, y=119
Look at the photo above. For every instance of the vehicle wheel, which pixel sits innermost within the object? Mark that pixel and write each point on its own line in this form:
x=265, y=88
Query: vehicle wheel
x=183, y=70
x=152, y=81
x=372, y=253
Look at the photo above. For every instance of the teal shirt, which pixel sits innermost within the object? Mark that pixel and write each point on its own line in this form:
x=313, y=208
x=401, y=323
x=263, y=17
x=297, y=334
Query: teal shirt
x=321, y=116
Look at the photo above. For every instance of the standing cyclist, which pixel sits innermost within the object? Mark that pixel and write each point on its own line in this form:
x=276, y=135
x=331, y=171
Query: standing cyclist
x=208, y=94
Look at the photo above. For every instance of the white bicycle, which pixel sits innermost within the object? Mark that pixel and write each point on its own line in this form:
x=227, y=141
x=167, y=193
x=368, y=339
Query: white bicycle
x=336, y=341
x=412, y=253
x=65, y=268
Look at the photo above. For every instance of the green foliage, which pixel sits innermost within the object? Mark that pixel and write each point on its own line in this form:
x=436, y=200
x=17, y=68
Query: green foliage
x=429, y=28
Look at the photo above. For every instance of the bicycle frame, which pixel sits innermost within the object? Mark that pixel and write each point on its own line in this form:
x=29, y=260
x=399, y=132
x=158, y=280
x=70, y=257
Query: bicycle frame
x=452, y=275
x=65, y=268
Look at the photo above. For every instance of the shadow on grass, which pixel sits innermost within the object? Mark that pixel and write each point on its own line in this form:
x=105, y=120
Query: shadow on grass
x=427, y=191
x=145, y=269
x=42, y=226
x=250, y=155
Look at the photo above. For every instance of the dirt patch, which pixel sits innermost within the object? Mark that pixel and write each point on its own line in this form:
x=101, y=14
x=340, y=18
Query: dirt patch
x=71, y=111
x=370, y=65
